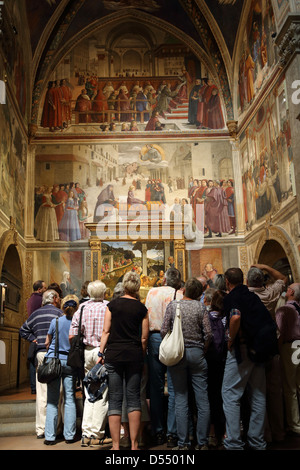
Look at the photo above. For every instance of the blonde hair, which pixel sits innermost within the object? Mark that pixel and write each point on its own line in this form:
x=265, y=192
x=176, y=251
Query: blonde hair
x=69, y=310
x=131, y=283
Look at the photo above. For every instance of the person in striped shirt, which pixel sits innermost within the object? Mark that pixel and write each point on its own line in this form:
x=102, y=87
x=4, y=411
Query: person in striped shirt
x=35, y=329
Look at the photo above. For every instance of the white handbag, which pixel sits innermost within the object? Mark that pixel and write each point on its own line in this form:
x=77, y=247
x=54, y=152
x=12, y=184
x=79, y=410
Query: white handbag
x=171, y=349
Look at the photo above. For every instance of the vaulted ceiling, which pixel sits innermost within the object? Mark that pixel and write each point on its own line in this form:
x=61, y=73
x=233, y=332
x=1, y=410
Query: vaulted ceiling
x=208, y=27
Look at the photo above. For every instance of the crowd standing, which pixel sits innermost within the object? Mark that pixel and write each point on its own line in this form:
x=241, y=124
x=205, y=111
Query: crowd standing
x=216, y=397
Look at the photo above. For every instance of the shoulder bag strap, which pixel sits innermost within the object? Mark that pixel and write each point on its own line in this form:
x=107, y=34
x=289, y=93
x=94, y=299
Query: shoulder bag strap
x=79, y=327
x=56, y=338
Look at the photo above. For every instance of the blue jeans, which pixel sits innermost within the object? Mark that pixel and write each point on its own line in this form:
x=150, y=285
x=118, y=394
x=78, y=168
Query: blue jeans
x=68, y=380
x=132, y=373
x=191, y=367
x=236, y=378
x=157, y=372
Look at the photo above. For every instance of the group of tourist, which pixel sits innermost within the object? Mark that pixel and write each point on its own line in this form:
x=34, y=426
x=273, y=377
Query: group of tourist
x=210, y=391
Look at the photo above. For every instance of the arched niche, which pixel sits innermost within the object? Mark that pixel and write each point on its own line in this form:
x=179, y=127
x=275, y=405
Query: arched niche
x=274, y=255
x=12, y=274
x=276, y=249
x=14, y=370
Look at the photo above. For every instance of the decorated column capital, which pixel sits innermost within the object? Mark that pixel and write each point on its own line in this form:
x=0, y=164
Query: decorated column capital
x=232, y=128
x=288, y=40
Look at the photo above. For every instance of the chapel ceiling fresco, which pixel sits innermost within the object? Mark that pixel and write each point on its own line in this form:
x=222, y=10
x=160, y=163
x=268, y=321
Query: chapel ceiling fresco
x=205, y=29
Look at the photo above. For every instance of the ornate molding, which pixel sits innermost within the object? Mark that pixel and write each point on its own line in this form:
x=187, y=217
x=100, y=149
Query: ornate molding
x=232, y=128
x=244, y=260
x=288, y=41
x=12, y=227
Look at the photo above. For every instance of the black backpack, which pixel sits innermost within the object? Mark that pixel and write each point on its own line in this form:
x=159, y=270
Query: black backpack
x=217, y=349
x=258, y=328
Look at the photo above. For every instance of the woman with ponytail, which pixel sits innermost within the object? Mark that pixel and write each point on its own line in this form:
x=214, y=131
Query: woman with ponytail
x=68, y=378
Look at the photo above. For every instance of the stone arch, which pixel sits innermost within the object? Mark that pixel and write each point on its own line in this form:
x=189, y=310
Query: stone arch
x=9, y=246
x=279, y=235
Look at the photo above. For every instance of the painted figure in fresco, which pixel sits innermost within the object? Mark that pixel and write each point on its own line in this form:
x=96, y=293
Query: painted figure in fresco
x=164, y=98
x=69, y=225
x=202, y=104
x=159, y=192
x=206, y=97
x=209, y=271
x=108, y=89
x=105, y=197
x=122, y=105
x=131, y=199
x=66, y=98
x=249, y=76
x=80, y=192
x=49, y=109
x=242, y=80
x=216, y=211
x=152, y=154
x=198, y=203
x=142, y=105
x=148, y=190
x=185, y=90
x=176, y=210
x=251, y=197
x=58, y=105
x=66, y=285
x=188, y=218
x=83, y=216
x=215, y=118
x=83, y=105
x=133, y=126
x=229, y=191
x=59, y=202
x=193, y=102
x=99, y=105
x=151, y=124
x=45, y=221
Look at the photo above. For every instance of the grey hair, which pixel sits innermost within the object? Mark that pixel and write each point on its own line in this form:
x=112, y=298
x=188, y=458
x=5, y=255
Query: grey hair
x=118, y=290
x=96, y=290
x=296, y=289
x=49, y=296
x=208, y=294
x=131, y=282
x=219, y=282
x=255, y=277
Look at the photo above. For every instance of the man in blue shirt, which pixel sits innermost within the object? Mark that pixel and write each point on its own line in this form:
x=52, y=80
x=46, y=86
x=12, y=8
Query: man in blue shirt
x=35, y=329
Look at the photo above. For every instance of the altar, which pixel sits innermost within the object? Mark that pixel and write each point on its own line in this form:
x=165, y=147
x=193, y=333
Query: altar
x=145, y=247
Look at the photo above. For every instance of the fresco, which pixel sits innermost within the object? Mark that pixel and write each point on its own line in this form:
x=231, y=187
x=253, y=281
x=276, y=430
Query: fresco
x=257, y=52
x=67, y=270
x=149, y=259
x=13, y=150
x=14, y=38
x=175, y=181
x=267, y=159
x=129, y=86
